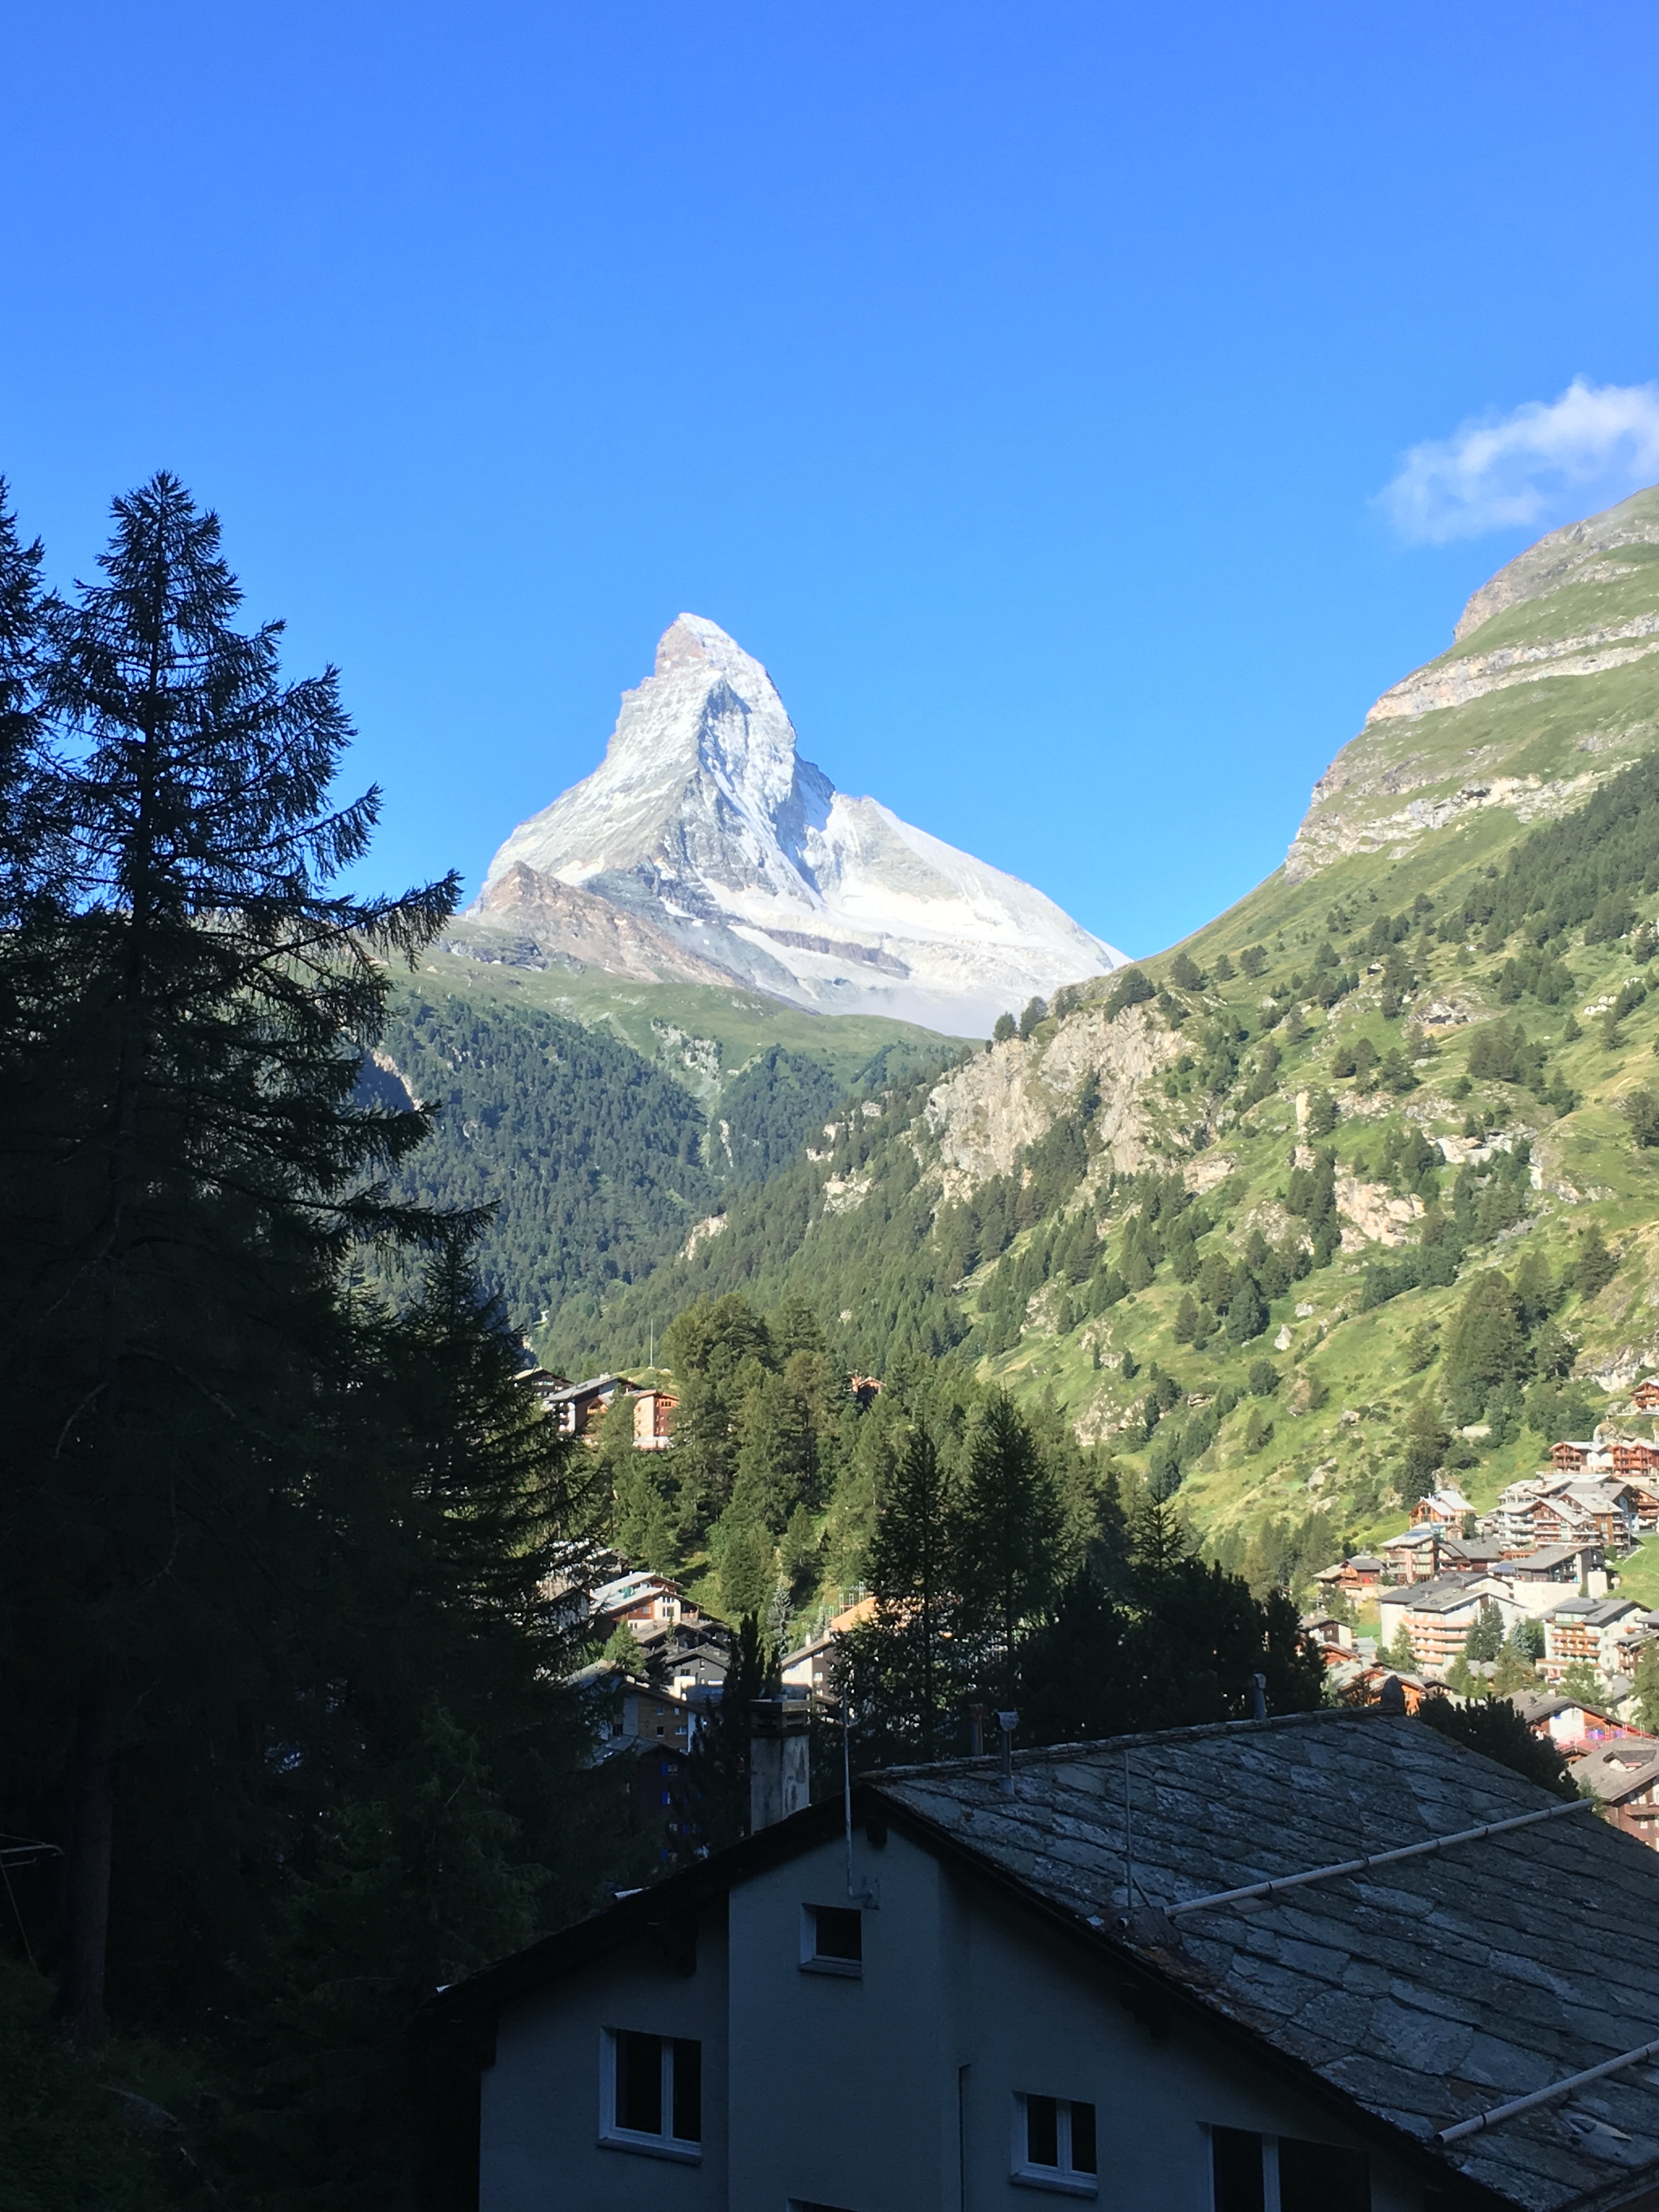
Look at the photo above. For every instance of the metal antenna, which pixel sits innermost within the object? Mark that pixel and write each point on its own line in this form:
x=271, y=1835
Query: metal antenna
x=847, y=1765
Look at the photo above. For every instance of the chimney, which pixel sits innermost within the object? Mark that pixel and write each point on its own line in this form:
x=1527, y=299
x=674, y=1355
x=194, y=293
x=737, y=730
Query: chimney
x=779, y=1781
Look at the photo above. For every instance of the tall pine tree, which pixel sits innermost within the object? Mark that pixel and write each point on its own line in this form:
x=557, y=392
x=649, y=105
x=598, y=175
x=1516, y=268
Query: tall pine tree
x=903, y=1662
x=184, y=1166
x=1009, y=1536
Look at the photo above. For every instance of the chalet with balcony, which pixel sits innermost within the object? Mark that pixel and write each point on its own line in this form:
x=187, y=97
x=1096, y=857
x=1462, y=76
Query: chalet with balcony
x=1447, y=1508
x=637, y=1597
x=1600, y=1632
x=1414, y=1556
x=1438, y=1615
x=1359, y=1579
x=1583, y=1566
x=1573, y=1727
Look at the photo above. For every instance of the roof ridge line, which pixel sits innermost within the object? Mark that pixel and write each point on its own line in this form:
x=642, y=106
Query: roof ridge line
x=990, y=1762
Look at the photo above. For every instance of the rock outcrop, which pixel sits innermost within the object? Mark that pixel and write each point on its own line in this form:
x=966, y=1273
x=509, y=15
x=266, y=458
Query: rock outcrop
x=521, y=908
x=1568, y=638
x=995, y=1103
x=1576, y=554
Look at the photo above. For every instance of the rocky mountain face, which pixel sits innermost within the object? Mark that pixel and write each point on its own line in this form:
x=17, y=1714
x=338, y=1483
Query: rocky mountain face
x=1547, y=688
x=532, y=919
x=704, y=845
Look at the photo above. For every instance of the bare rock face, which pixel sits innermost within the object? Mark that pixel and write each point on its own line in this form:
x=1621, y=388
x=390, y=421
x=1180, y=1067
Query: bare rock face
x=1577, y=554
x=560, y=921
x=705, y=828
x=1569, y=625
x=988, y=1109
x=1372, y=1214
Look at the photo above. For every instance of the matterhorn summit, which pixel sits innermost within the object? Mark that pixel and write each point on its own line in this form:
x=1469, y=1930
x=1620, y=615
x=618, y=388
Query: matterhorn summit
x=704, y=847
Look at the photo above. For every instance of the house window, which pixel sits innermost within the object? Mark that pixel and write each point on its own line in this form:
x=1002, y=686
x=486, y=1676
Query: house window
x=1279, y=2173
x=651, y=2093
x=831, y=1939
x=1055, y=2144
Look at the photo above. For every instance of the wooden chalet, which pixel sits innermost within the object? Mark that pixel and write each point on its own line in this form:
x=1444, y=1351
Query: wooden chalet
x=654, y=1419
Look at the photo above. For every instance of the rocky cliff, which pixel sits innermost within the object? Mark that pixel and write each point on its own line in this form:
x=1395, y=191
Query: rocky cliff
x=1547, y=688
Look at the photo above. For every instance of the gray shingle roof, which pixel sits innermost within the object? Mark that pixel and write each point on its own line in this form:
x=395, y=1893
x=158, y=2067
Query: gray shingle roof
x=1620, y=1768
x=1428, y=1990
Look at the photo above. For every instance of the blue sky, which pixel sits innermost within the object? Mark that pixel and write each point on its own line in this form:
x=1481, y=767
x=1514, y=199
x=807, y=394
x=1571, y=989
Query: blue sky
x=1023, y=384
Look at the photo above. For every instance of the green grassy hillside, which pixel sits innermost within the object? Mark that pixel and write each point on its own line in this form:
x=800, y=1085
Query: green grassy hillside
x=1334, y=1190
x=701, y=1036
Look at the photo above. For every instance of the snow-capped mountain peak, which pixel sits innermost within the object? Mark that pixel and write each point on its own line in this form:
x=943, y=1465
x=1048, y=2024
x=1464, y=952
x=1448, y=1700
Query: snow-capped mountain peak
x=704, y=819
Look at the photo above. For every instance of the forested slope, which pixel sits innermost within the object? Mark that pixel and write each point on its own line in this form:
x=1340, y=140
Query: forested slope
x=596, y=1160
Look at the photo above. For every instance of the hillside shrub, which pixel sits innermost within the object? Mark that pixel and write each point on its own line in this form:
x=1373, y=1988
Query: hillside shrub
x=1640, y=1108
x=1596, y=1266
x=1131, y=989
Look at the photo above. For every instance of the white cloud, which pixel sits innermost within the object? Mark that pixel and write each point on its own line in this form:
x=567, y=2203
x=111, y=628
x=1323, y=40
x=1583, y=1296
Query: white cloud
x=1535, y=467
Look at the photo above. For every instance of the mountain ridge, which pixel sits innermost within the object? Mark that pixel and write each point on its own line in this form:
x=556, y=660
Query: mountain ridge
x=1551, y=685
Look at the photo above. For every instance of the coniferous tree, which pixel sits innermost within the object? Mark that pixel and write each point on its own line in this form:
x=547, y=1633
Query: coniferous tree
x=1596, y=1266
x=714, y=1791
x=183, y=1166
x=903, y=1660
x=1485, y=1637
x=1009, y=1537
x=1646, y=1685
x=30, y=831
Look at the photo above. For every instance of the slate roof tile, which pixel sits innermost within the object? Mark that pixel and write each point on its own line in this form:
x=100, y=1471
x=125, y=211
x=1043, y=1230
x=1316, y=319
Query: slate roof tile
x=1428, y=1990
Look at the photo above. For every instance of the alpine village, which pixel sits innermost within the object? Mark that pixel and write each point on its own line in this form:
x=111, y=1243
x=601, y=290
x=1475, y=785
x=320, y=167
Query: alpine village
x=753, y=1527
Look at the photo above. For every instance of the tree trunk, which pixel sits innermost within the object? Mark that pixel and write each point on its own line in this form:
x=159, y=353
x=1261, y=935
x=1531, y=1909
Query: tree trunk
x=86, y=1874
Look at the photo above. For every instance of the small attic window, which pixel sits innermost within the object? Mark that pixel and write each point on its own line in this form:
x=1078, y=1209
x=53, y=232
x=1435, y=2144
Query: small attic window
x=1278, y=2174
x=831, y=1939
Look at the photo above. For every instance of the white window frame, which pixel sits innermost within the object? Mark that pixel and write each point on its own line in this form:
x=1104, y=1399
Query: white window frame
x=613, y=2137
x=1269, y=2161
x=811, y=1961
x=1063, y=2180
x=1270, y=2200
